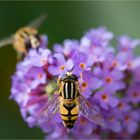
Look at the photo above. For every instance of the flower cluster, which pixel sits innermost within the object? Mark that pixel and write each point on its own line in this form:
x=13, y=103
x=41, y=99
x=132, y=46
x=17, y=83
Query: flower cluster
x=108, y=77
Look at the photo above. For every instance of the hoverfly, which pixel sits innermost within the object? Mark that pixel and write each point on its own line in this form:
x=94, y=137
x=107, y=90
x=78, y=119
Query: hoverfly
x=25, y=38
x=69, y=103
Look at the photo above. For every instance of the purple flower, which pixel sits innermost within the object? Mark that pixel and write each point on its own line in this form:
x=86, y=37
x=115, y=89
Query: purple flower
x=58, y=64
x=96, y=54
x=118, y=62
x=89, y=83
x=134, y=93
x=85, y=128
x=112, y=79
x=99, y=37
x=113, y=122
x=130, y=121
x=123, y=105
x=44, y=41
x=108, y=79
x=136, y=74
x=34, y=77
x=127, y=44
x=106, y=100
x=68, y=48
x=39, y=58
x=81, y=63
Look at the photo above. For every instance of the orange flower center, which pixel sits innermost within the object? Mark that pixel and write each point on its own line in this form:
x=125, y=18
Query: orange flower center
x=125, y=49
x=104, y=97
x=82, y=121
x=135, y=94
x=40, y=75
x=115, y=63
x=62, y=67
x=108, y=80
x=127, y=118
x=82, y=65
x=111, y=119
x=84, y=84
x=129, y=64
x=120, y=105
x=43, y=61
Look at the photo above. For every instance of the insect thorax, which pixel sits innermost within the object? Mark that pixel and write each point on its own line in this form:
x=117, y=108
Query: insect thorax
x=69, y=90
x=26, y=38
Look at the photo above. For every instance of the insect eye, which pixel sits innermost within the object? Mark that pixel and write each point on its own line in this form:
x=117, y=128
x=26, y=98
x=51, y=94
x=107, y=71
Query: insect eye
x=74, y=77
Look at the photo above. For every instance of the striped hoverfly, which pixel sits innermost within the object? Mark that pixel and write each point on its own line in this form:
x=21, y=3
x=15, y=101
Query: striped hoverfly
x=25, y=38
x=69, y=103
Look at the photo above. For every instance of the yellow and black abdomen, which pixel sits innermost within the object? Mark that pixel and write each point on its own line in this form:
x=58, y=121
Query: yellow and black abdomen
x=69, y=113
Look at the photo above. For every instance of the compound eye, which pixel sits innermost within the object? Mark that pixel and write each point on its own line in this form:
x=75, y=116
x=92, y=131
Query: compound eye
x=75, y=77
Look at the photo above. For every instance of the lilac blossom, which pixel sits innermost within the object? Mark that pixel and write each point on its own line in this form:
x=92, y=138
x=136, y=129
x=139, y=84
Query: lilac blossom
x=88, y=83
x=106, y=100
x=112, y=78
x=81, y=63
x=68, y=48
x=58, y=64
x=127, y=44
x=134, y=93
x=99, y=37
x=130, y=121
x=109, y=79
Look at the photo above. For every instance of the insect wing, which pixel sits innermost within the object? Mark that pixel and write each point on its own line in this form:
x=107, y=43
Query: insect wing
x=89, y=112
x=50, y=108
x=6, y=41
x=36, y=23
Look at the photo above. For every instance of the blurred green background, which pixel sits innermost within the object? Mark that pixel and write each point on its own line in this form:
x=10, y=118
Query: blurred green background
x=65, y=20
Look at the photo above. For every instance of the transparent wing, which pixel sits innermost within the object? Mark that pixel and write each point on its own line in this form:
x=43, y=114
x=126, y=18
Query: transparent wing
x=89, y=111
x=36, y=23
x=50, y=108
x=6, y=41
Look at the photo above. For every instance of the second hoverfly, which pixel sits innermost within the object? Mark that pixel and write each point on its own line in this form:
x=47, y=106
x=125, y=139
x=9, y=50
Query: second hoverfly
x=69, y=103
x=25, y=38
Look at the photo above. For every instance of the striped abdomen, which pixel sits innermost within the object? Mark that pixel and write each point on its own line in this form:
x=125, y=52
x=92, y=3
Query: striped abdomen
x=69, y=90
x=69, y=114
